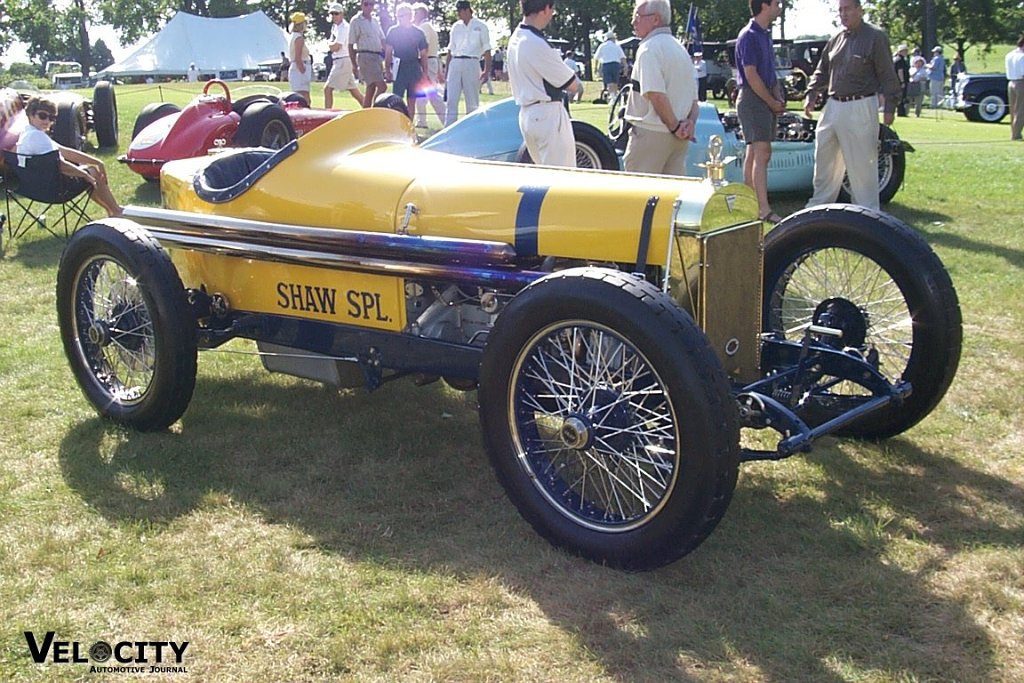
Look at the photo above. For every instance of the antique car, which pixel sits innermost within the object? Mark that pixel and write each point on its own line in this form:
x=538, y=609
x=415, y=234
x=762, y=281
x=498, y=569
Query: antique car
x=492, y=132
x=982, y=97
x=262, y=117
x=76, y=116
x=620, y=329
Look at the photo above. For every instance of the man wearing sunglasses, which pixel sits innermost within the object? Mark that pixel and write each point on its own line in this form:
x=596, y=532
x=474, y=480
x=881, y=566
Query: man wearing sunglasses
x=76, y=167
x=341, y=76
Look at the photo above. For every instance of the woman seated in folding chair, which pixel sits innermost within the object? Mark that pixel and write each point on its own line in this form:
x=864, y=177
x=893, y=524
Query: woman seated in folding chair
x=78, y=167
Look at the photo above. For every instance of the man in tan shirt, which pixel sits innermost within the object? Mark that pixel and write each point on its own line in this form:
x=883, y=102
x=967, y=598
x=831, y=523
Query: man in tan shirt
x=857, y=73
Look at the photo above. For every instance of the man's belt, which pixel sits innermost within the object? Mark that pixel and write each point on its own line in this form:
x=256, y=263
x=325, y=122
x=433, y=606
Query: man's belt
x=464, y=57
x=852, y=98
x=367, y=52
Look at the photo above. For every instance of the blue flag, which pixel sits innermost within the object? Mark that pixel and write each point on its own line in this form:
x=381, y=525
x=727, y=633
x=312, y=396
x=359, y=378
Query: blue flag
x=694, y=37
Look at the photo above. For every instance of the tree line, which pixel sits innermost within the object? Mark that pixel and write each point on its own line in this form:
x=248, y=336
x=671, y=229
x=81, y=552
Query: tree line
x=54, y=32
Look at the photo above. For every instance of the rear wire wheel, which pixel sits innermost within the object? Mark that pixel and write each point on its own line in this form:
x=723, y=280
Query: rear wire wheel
x=608, y=418
x=876, y=279
x=127, y=329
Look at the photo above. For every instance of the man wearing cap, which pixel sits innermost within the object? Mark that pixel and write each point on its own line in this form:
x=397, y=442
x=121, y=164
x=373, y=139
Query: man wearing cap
x=469, y=41
x=1015, y=88
x=538, y=78
x=408, y=44
x=366, y=51
x=701, y=68
x=610, y=60
x=340, y=76
x=936, y=76
x=856, y=72
x=429, y=91
x=902, y=66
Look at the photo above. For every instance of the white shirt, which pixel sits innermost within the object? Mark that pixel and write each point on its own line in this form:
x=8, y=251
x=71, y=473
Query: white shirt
x=1015, y=65
x=33, y=141
x=531, y=62
x=433, y=44
x=469, y=40
x=662, y=65
x=609, y=51
x=339, y=34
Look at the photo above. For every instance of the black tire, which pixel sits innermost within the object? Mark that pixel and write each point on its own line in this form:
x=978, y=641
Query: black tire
x=69, y=129
x=127, y=329
x=584, y=370
x=295, y=97
x=593, y=149
x=391, y=101
x=104, y=114
x=264, y=124
x=150, y=113
x=618, y=127
x=904, y=306
x=991, y=107
x=239, y=106
x=892, y=166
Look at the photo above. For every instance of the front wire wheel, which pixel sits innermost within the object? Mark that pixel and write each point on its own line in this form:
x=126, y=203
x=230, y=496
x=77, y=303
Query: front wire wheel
x=608, y=419
x=127, y=329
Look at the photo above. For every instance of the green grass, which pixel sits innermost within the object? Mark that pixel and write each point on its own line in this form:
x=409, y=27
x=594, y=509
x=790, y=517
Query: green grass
x=291, y=532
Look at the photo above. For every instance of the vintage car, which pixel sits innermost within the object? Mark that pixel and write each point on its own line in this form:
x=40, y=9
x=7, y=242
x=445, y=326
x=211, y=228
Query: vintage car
x=621, y=329
x=76, y=116
x=263, y=116
x=492, y=132
x=983, y=97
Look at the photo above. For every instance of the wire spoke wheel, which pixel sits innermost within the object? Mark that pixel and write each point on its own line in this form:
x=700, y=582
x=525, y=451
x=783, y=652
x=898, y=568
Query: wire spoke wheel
x=594, y=426
x=114, y=330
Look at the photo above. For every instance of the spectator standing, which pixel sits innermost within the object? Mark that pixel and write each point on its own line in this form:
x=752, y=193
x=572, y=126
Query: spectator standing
x=498, y=65
x=702, y=76
x=1015, y=88
x=918, y=82
x=366, y=51
x=282, y=74
x=409, y=45
x=760, y=99
x=610, y=60
x=192, y=75
x=855, y=69
x=901, y=63
x=341, y=75
x=78, y=170
x=663, y=110
x=936, y=76
x=577, y=68
x=955, y=69
x=538, y=78
x=300, y=69
x=469, y=42
x=429, y=90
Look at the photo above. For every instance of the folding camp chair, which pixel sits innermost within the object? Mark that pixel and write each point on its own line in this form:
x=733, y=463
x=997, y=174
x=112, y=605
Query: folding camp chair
x=35, y=184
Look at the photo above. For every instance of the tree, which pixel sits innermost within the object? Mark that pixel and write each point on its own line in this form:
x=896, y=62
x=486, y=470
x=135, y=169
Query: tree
x=960, y=23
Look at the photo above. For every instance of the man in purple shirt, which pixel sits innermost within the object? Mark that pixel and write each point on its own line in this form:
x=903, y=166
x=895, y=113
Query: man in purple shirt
x=760, y=98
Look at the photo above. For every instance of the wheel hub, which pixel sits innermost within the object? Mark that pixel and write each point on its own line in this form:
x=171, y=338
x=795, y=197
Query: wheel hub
x=99, y=333
x=575, y=432
x=842, y=314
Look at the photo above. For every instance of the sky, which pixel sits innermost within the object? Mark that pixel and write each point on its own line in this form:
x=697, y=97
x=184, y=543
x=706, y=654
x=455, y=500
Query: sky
x=803, y=17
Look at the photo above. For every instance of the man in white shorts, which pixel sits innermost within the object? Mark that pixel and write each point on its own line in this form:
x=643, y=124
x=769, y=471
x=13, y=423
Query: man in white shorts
x=341, y=76
x=539, y=78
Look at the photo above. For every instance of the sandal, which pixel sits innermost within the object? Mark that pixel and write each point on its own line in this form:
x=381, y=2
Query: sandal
x=771, y=217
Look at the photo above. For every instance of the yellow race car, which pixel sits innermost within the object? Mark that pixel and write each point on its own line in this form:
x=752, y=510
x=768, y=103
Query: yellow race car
x=620, y=328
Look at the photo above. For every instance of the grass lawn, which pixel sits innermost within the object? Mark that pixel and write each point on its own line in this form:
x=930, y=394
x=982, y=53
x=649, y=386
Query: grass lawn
x=291, y=532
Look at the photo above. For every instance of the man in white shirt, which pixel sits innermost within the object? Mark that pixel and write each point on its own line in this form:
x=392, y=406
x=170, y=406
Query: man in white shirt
x=663, y=109
x=538, y=78
x=341, y=76
x=1015, y=88
x=430, y=90
x=610, y=60
x=470, y=40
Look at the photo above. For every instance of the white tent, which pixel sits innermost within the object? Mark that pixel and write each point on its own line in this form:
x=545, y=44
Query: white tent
x=213, y=45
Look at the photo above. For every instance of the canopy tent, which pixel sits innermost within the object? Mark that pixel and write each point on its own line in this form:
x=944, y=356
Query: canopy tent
x=213, y=45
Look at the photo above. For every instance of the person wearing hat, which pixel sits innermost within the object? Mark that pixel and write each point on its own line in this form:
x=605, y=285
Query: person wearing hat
x=300, y=67
x=366, y=50
x=429, y=90
x=901, y=63
x=192, y=75
x=936, y=76
x=856, y=72
x=611, y=60
x=701, y=68
x=340, y=76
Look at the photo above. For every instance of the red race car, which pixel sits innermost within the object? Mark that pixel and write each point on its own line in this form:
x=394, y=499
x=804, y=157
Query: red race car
x=163, y=132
